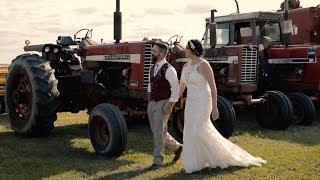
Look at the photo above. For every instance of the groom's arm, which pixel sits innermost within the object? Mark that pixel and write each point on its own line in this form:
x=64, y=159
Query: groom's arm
x=171, y=76
x=149, y=89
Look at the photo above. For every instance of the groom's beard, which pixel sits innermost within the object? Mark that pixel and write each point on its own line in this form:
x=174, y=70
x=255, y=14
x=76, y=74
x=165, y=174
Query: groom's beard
x=154, y=58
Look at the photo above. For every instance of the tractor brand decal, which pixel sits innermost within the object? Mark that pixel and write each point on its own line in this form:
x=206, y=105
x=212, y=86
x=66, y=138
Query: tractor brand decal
x=223, y=59
x=125, y=58
x=292, y=61
x=310, y=59
x=117, y=57
x=312, y=53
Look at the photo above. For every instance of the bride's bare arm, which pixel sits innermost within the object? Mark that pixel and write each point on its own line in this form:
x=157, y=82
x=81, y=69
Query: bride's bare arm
x=182, y=85
x=182, y=88
x=207, y=72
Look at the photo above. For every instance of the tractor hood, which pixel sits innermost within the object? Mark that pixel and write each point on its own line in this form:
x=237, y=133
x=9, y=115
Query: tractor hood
x=295, y=54
x=126, y=52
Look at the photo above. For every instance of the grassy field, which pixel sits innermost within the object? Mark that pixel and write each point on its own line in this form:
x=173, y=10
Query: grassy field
x=67, y=153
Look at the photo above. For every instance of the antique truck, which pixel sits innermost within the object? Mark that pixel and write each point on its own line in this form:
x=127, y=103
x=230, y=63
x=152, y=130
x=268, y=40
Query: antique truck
x=234, y=56
x=3, y=75
x=306, y=31
x=251, y=56
x=276, y=65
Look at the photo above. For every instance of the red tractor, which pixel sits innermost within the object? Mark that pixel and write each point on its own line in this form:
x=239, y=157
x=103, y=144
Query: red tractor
x=108, y=80
x=306, y=30
x=275, y=65
x=253, y=62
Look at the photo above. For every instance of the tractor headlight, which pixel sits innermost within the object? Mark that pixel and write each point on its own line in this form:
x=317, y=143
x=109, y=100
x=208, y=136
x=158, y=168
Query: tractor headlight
x=55, y=50
x=261, y=48
x=300, y=72
x=46, y=49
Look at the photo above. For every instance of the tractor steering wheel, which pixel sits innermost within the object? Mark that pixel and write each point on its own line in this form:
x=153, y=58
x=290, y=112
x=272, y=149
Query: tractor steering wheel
x=175, y=39
x=87, y=35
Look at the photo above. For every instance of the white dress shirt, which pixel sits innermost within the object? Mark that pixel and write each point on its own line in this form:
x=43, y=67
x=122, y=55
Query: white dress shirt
x=171, y=76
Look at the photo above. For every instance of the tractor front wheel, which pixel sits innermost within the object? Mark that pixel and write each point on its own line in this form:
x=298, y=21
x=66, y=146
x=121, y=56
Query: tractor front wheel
x=107, y=130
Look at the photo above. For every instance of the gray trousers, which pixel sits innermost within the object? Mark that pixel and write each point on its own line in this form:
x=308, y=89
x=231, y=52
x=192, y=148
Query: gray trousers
x=159, y=127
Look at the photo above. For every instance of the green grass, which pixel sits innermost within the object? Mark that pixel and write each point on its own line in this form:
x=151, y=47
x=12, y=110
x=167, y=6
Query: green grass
x=67, y=153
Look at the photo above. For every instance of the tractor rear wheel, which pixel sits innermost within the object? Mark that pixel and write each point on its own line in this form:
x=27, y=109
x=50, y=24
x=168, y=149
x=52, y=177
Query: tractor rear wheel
x=224, y=124
x=107, y=130
x=31, y=96
x=275, y=112
x=304, y=111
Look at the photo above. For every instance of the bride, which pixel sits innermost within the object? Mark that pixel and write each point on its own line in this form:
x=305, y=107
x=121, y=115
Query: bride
x=203, y=146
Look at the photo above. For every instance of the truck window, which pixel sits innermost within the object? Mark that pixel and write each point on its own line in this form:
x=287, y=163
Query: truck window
x=223, y=33
x=243, y=33
x=267, y=29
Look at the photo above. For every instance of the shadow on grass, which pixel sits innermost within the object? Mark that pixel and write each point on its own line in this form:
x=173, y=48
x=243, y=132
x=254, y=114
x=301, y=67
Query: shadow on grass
x=246, y=124
x=204, y=173
x=133, y=173
x=67, y=148
x=306, y=135
x=4, y=120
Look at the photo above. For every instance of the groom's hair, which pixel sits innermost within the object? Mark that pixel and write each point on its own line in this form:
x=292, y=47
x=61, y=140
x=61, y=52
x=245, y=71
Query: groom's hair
x=163, y=47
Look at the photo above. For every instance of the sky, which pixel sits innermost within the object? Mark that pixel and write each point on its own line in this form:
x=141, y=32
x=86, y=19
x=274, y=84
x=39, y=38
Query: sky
x=42, y=21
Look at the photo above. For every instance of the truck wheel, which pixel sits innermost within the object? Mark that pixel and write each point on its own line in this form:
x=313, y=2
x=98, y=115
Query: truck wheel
x=304, y=111
x=107, y=130
x=276, y=112
x=225, y=124
x=31, y=96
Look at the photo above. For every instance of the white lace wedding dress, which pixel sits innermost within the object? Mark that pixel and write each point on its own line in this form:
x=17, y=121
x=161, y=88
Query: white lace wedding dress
x=203, y=145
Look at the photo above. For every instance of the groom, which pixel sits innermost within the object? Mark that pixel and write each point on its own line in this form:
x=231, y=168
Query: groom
x=163, y=93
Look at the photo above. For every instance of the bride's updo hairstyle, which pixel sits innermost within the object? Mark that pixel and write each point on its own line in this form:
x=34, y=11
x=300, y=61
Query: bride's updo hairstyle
x=195, y=46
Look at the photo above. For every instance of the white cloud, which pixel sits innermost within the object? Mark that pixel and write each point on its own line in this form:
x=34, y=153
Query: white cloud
x=86, y=11
x=157, y=11
x=42, y=21
x=197, y=9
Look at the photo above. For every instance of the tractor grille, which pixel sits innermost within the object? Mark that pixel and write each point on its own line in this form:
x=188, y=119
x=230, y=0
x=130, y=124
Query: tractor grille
x=147, y=65
x=249, y=66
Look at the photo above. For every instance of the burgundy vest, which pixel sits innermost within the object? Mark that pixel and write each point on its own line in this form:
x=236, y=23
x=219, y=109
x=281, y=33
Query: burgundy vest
x=160, y=86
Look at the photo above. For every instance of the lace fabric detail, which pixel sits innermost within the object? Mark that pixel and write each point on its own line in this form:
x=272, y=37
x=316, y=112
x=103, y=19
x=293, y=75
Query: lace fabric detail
x=203, y=144
x=190, y=69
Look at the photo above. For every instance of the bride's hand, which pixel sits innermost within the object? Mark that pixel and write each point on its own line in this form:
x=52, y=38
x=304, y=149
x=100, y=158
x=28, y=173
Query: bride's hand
x=214, y=114
x=167, y=109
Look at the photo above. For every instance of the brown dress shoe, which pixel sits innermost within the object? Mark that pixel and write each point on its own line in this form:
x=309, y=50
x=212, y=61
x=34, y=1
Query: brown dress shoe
x=177, y=154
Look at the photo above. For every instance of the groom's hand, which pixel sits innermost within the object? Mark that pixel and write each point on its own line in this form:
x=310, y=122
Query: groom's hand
x=167, y=109
x=148, y=96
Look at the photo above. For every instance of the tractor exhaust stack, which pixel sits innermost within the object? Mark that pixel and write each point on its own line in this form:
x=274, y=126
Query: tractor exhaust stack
x=117, y=22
